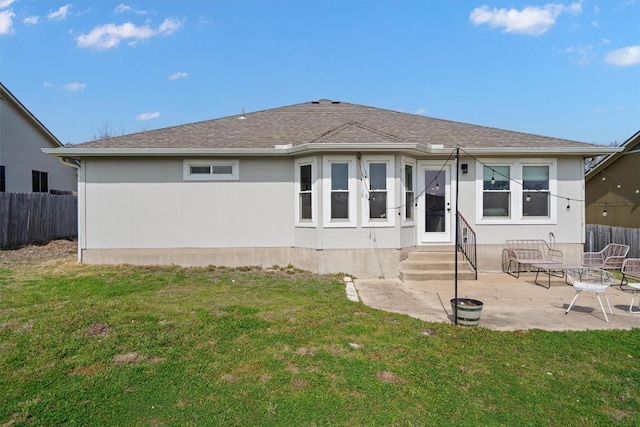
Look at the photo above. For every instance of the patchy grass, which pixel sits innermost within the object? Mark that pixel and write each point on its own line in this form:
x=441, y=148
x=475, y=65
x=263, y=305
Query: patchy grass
x=124, y=345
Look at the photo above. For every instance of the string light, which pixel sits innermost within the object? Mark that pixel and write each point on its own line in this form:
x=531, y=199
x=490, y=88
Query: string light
x=568, y=208
x=528, y=198
x=415, y=200
x=604, y=177
x=637, y=189
x=619, y=185
x=437, y=186
x=604, y=212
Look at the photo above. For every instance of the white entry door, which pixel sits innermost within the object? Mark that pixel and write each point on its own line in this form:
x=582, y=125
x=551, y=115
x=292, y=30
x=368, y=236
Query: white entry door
x=435, y=210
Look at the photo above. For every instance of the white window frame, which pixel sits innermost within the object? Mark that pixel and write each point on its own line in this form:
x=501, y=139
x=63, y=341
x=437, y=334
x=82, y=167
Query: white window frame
x=390, y=219
x=408, y=162
x=352, y=221
x=516, y=167
x=313, y=222
x=547, y=191
x=500, y=177
x=233, y=176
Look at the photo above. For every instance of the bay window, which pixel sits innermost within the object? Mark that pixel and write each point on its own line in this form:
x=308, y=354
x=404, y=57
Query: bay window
x=305, y=184
x=379, y=193
x=339, y=190
x=409, y=193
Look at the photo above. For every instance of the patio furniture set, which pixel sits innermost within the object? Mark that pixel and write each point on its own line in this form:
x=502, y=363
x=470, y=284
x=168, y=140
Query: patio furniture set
x=594, y=275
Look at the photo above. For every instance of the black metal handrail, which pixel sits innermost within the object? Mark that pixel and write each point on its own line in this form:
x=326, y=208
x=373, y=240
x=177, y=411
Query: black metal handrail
x=467, y=242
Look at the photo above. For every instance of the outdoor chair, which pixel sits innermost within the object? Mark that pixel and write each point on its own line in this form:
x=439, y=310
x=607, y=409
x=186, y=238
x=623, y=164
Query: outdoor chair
x=631, y=269
x=609, y=258
x=587, y=279
x=636, y=287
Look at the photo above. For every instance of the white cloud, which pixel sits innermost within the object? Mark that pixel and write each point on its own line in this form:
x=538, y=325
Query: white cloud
x=31, y=20
x=121, y=8
x=178, y=75
x=532, y=20
x=60, y=14
x=74, y=87
x=629, y=55
x=422, y=112
x=169, y=26
x=110, y=35
x=6, y=21
x=47, y=84
x=148, y=116
x=5, y=3
x=581, y=55
x=203, y=20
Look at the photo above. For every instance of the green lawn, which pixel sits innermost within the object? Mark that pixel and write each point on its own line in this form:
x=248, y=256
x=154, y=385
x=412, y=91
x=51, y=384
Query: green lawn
x=105, y=345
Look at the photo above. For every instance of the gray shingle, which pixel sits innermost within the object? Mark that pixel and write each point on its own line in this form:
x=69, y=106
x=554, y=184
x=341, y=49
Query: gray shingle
x=328, y=122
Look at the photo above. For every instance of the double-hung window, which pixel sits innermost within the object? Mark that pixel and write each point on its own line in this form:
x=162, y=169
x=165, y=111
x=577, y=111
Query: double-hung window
x=305, y=182
x=339, y=189
x=496, y=191
x=535, y=187
x=377, y=190
x=39, y=182
x=519, y=191
x=379, y=182
x=409, y=194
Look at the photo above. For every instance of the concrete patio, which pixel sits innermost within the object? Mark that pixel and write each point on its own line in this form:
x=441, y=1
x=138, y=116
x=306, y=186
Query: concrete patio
x=509, y=303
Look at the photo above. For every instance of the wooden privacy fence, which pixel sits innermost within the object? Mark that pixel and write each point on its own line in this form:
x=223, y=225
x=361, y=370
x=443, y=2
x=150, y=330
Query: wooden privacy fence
x=599, y=236
x=36, y=218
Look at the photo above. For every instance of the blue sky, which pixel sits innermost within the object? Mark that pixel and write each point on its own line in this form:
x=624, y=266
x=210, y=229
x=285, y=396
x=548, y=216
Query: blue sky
x=564, y=69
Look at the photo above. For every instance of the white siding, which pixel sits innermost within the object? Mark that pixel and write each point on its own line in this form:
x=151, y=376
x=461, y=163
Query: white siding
x=142, y=207
x=144, y=203
x=20, y=152
x=568, y=227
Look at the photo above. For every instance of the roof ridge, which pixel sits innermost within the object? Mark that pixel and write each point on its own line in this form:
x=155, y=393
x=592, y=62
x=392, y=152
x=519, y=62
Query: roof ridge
x=346, y=125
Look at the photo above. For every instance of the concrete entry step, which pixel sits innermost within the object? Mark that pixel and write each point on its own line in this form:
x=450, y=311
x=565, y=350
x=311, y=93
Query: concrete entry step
x=425, y=275
x=435, y=263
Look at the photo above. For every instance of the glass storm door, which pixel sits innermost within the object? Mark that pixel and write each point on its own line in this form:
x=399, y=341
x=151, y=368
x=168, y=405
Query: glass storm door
x=435, y=207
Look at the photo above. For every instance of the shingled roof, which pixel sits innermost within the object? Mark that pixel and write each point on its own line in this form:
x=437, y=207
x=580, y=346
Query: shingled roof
x=328, y=122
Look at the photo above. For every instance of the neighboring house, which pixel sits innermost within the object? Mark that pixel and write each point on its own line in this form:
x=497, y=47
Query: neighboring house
x=24, y=168
x=613, y=186
x=326, y=186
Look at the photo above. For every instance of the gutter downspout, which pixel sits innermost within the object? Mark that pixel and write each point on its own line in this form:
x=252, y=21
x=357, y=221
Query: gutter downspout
x=77, y=165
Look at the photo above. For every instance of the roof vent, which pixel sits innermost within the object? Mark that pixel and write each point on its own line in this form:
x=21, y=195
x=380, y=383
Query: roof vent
x=315, y=102
x=242, y=117
x=335, y=102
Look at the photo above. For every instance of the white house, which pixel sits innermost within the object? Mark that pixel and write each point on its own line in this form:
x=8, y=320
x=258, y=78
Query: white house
x=24, y=168
x=326, y=186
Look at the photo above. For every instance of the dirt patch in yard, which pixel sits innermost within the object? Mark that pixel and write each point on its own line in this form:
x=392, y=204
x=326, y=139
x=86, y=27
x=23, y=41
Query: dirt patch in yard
x=53, y=250
x=129, y=358
x=98, y=330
